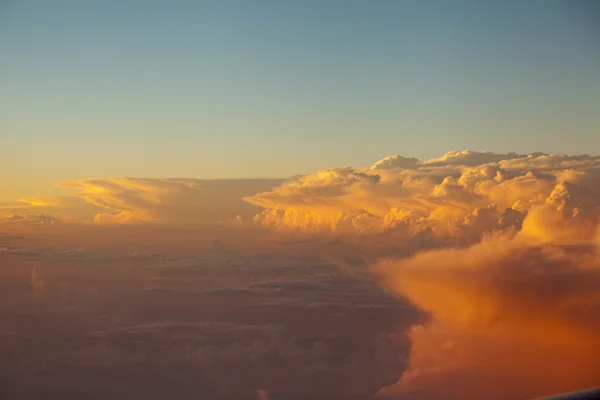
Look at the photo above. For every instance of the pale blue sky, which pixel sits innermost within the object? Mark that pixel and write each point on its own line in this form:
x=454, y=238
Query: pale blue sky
x=214, y=89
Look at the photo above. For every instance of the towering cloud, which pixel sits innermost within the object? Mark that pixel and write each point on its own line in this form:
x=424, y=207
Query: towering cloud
x=513, y=317
x=513, y=287
x=461, y=192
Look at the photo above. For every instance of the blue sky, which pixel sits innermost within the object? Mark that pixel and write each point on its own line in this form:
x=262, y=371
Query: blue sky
x=215, y=89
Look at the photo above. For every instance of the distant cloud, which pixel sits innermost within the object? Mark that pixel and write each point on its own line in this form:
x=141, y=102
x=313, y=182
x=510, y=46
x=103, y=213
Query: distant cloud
x=396, y=161
x=473, y=158
x=179, y=201
x=39, y=219
x=215, y=327
x=461, y=193
x=464, y=158
x=64, y=208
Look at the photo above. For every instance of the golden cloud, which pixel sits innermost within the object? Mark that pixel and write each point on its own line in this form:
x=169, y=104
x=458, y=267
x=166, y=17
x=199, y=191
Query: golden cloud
x=514, y=316
x=178, y=201
x=461, y=192
x=514, y=290
x=513, y=282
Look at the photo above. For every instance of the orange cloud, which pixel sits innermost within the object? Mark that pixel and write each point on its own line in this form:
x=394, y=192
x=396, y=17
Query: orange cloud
x=63, y=208
x=513, y=317
x=452, y=194
x=515, y=313
x=143, y=200
x=513, y=287
x=170, y=201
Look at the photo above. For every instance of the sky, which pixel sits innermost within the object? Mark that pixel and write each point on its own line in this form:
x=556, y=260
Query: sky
x=280, y=200
x=262, y=89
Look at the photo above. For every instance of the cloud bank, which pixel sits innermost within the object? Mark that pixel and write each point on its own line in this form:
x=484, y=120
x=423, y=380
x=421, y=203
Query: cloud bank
x=513, y=317
x=144, y=200
x=508, y=267
x=460, y=194
x=499, y=250
x=98, y=315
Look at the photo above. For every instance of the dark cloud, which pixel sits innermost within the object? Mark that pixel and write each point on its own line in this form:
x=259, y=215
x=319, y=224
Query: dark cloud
x=148, y=324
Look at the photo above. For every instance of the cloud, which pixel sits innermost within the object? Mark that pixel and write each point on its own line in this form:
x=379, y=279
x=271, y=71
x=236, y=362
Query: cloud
x=473, y=158
x=63, y=208
x=396, y=161
x=499, y=250
x=513, y=317
x=188, y=323
x=146, y=200
x=460, y=194
x=177, y=201
x=39, y=219
x=464, y=158
x=506, y=263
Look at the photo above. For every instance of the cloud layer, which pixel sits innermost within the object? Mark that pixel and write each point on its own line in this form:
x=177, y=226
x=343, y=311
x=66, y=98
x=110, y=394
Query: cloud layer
x=138, y=312
x=499, y=251
x=145, y=200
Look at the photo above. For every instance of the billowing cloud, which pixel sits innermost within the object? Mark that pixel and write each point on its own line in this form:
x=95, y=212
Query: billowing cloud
x=514, y=316
x=511, y=279
x=497, y=254
x=396, y=161
x=460, y=193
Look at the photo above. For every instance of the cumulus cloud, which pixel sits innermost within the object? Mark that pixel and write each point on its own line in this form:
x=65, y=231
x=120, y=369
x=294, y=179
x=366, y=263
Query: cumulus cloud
x=460, y=193
x=507, y=266
x=396, y=161
x=473, y=158
x=514, y=316
x=499, y=250
x=465, y=158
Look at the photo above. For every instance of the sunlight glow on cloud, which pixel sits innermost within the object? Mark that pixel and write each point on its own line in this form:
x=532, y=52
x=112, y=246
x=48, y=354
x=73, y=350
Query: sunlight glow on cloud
x=500, y=250
x=147, y=200
x=141, y=200
x=512, y=280
x=461, y=191
x=512, y=318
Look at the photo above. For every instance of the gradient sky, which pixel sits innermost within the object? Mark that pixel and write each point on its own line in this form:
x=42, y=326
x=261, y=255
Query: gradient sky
x=217, y=89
